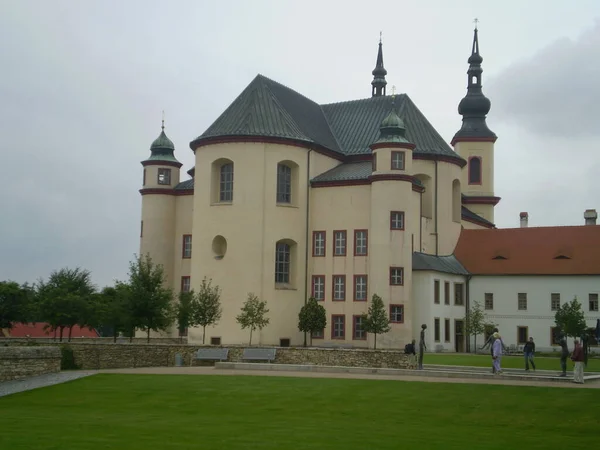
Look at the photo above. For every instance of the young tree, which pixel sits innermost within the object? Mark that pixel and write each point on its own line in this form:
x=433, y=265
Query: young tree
x=570, y=319
x=476, y=321
x=253, y=315
x=13, y=304
x=65, y=299
x=312, y=318
x=207, y=306
x=150, y=301
x=113, y=309
x=185, y=311
x=376, y=321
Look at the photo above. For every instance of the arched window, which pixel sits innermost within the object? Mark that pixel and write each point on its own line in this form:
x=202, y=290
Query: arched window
x=284, y=183
x=475, y=170
x=226, y=183
x=456, y=201
x=282, y=262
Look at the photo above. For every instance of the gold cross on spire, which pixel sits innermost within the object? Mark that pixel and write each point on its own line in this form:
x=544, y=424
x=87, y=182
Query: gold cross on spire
x=476, y=21
x=163, y=120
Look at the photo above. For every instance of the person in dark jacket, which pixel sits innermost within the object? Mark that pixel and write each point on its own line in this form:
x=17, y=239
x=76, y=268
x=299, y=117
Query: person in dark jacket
x=529, y=351
x=563, y=355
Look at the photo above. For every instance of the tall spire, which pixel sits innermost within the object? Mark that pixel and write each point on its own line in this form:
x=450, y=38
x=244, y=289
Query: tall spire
x=378, y=84
x=474, y=106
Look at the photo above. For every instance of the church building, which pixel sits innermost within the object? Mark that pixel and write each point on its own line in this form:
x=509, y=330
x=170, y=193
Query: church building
x=291, y=199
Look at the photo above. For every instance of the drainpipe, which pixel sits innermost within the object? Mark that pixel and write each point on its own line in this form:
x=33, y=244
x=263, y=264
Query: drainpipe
x=467, y=308
x=307, y=237
x=437, y=247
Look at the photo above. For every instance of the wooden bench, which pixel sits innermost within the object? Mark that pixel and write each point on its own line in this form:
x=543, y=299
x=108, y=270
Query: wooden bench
x=259, y=354
x=212, y=354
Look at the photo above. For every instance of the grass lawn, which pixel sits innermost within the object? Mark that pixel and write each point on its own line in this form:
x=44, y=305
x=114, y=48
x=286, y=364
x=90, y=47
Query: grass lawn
x=149, y=412
x=508, y=362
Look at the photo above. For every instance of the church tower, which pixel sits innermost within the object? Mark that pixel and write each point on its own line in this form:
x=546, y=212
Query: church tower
x=378, y=84
x=157, y=229
x=475, y=142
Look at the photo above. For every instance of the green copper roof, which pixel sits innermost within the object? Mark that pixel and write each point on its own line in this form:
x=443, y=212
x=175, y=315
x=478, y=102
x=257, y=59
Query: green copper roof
x=444, y=264
x=392, y=129
x=346, y=172
x=269, y=109
x=162, y=142
x=162, y=149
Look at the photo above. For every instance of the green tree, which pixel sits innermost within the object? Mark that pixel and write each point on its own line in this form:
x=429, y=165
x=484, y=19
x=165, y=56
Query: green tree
x=65, y=300
x=312, y=318
x=13, y=304
x=376, y=321
x=113, y=310
x=150, y=302
x=185, y=311
x=476, y=322
x=570, y=319
x=253, y=315
x=207, y=306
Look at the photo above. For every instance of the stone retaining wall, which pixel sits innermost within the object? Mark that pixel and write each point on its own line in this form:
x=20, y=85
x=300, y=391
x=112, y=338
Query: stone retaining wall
x=121, y=356
x=23, y=362
x=99, y=340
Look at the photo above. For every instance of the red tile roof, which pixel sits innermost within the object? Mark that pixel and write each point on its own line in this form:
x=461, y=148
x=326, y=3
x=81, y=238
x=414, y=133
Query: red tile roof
x=531, y=251
x=36, y=330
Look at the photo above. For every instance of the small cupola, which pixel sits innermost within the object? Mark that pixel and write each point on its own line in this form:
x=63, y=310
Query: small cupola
x=163, y=149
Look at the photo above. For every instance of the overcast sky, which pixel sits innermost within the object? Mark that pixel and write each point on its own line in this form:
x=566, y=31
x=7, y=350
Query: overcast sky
x=83, y=84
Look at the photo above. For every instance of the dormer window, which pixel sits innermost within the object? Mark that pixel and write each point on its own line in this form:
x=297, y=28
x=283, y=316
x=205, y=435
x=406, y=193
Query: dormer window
x=164, y=177
x=561, y=257
x=397, y=161
x=499, y=257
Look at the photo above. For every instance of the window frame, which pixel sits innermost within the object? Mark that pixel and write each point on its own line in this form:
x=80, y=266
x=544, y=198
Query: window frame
x=395, y=314
x=287, y=263
x=355, y=320
x=324, y=245
x=394, y=154
x=343, y=233
x=366, y=290
x=519, y=299
x=284, y=198
x=165, y=171
x=436, y=292
x=184, y=279
x=224, y=184
x=478, y=182
x=366, y=244
x=343, y=336
x=485, y=301
x=313, y=284
x=402, y=220
x=447, y=330
x=462, y=294
x=592, y=299
x=446, y=292
x=554, y=297
x=437, y=335
x=334, y=278
x=519, y=328
x=186, y=253
x=392, y=269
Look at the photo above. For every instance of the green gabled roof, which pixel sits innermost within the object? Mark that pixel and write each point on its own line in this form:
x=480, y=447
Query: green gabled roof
x=269, y=109
x=346, y=172
x=444, y=264
x=185, y=185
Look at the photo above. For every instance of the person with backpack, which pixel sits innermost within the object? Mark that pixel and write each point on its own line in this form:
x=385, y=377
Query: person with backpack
x=410, y=349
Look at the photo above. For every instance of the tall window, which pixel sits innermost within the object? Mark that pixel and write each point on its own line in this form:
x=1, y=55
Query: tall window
x=459, y=298
x=360, y=288
x=339, y=288
x=446, y=293
x=397, y=161
x=475, y=170
x=339, y=243
x=374, y=167
x=338, y=326
x=522, y=335
x=144, y=178
x=358, y=333
x=447, y=330
x=185, y=284
x=318, y=243
x=436, y=330
x=396, y=276
x=436, y=292
x=554, y=302
x=397, y=220
x=397, y=313
x=284, y=184
x=226, y=183
x=187, y=246
x=593, y=299
x=522, y=301
x=164, y=176
x=360, y=243
x=282, y=263
x=489, y=300
x=318, y=287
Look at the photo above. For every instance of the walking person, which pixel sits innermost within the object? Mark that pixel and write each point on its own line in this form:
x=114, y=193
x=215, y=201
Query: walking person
x=529, y=351
x=490, y=342
x=577, y=357
x=564, y=354
x=497, y=354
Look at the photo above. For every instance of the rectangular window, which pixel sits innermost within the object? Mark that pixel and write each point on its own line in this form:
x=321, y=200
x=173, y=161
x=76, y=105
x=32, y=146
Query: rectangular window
x=164, y=176
x=522, y=335
x=593, y=298
x=554, y=302
x=459, y=298
x=339, y=243
x=226, y=183
x=319, y=243
x=318, y=287
x=144, y=178
x=397, y=161
x=397, y=220
x=522, y=301
x=185, y=284
x=396, y=276
x=397, y=313
x=187, y=246
x=360, y=288
x=360, y=242
x=489, y=300
x=357, y=329
x=339, y=288
x=338, y=326
x=447, y=330
x=283, y=252
x=436, y=330
x=554, y=336
x=318, y=334
x=284, y=184
x=374, y=162
x=446, y=293
x=436, y=292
